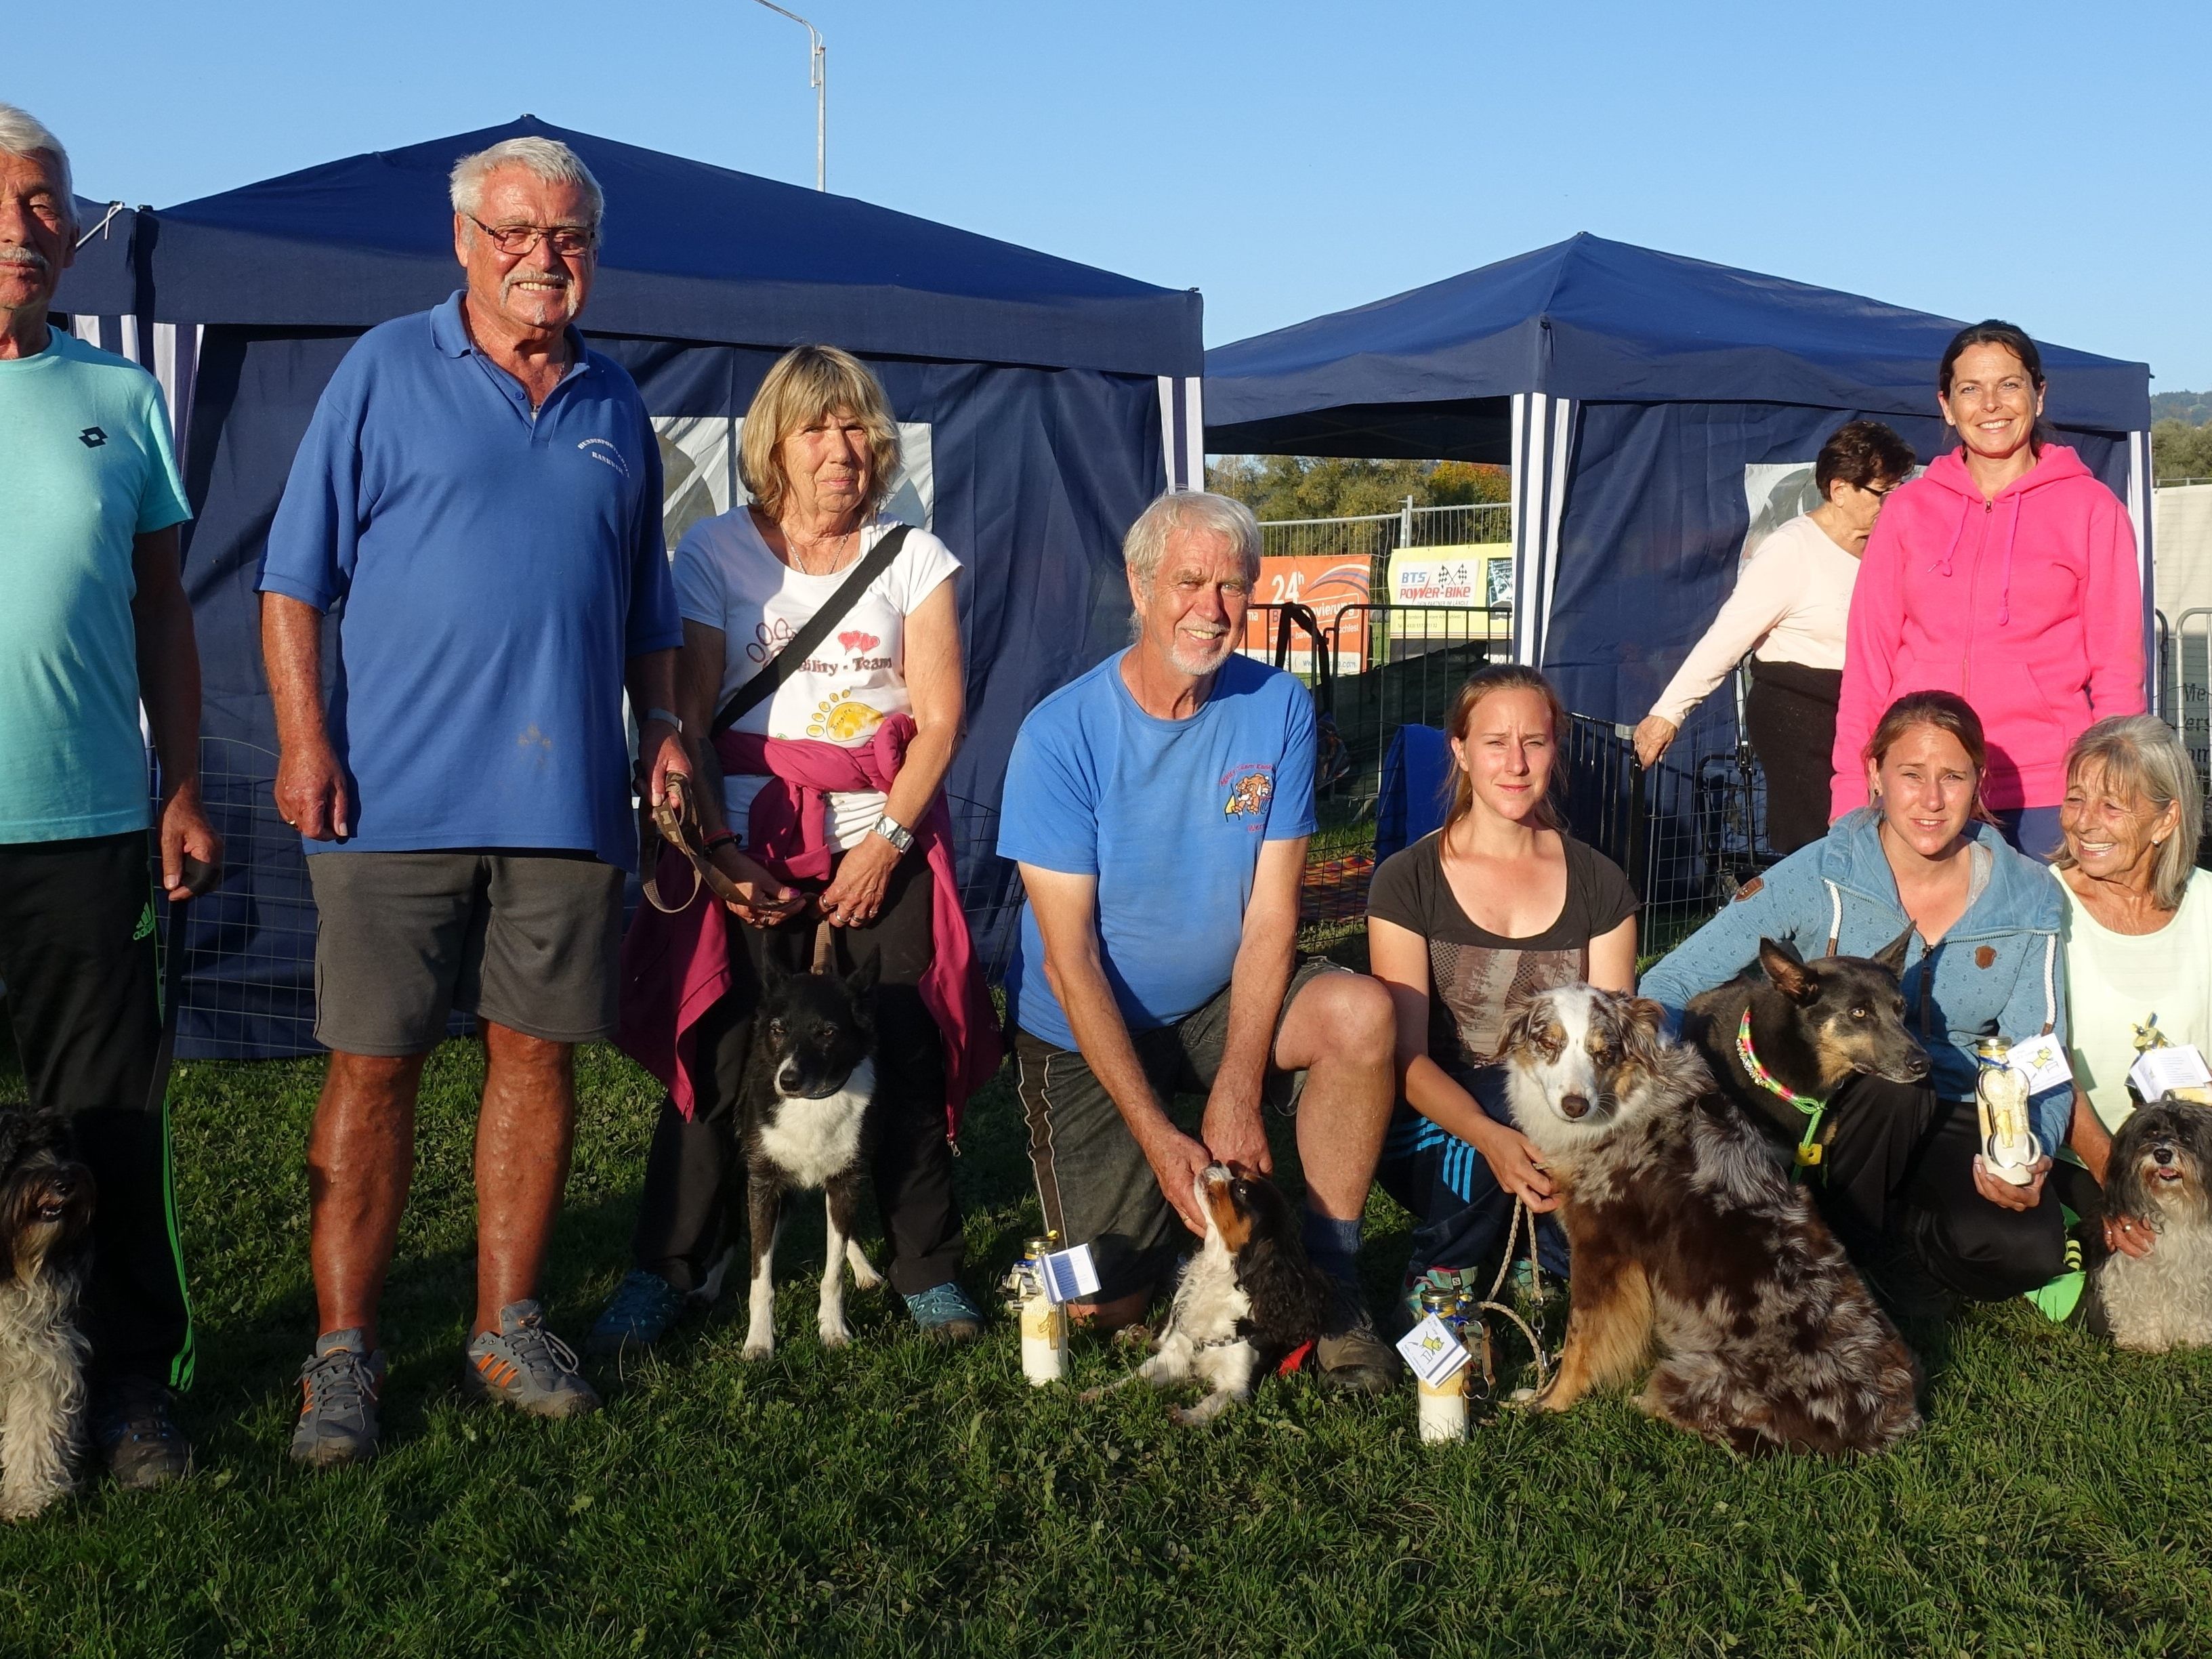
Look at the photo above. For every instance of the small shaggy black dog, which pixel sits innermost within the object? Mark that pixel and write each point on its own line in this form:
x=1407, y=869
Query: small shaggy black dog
x=1687, y=1235
x=45, y=1254
x=804, y=1117
x=1247, y=1301
x=2161, y=1161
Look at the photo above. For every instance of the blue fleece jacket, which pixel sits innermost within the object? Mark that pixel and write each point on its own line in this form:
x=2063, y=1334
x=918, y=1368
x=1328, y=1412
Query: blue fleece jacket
x=1997, y=971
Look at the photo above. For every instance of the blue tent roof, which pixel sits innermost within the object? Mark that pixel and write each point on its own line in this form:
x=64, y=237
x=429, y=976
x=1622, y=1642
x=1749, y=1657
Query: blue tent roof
x=1592, y=318
x=692, y=252
x=98, y=283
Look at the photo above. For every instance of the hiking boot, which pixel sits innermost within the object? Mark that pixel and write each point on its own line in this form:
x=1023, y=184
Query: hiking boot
x=338, y=1389
x=525, y=1365
x=945, y=1313
x=639, y=1314
x=138, y=1439
x=1352, y=1357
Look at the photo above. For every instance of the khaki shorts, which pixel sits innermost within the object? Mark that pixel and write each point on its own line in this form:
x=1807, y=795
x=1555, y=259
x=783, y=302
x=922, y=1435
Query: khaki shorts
x=528, y=940
x=1092, y=1180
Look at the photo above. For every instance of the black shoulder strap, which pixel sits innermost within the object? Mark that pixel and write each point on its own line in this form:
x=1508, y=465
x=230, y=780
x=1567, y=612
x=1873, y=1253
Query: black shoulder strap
x=811, y=633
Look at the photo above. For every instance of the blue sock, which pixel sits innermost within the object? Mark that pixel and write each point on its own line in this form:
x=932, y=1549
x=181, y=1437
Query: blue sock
x=1333, y=1246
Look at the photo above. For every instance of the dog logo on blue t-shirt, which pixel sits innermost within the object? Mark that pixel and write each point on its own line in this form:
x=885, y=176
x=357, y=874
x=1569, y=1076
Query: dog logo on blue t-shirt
x=1250, y=789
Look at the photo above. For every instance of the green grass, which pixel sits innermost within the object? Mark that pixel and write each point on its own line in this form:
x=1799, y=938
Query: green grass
x=899, y=1498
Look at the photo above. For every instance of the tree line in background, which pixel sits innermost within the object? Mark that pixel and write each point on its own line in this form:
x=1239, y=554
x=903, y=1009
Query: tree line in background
x=1321, y=487
x=2181, y=435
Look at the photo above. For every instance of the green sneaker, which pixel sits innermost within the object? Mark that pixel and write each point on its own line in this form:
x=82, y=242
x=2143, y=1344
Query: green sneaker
x=525, y=1365
x=2061, y=1299
x=338, y=1389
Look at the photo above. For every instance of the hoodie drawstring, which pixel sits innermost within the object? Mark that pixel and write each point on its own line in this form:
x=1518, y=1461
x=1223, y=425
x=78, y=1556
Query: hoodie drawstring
x=2012, y=534
x=1942, y=566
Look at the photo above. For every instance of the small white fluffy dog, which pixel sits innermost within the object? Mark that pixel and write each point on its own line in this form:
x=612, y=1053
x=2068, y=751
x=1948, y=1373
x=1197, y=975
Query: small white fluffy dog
x=2160, y=1159
x=45, y=1234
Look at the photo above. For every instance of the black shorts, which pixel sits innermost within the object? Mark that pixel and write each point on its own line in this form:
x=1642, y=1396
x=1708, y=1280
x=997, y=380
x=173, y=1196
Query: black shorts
x=528, y=940
x=1091, y=1177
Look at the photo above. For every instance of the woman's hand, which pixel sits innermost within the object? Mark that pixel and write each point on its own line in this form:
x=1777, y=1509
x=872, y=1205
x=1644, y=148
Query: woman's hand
x=767, y=900
x=854, y=896
x=1653, y=737
x=2003, y=1193
x=1513, y=1160
x=2128, y=1236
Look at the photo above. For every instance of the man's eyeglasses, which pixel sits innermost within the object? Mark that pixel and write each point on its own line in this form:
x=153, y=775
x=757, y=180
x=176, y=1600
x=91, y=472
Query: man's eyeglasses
x=515, y=240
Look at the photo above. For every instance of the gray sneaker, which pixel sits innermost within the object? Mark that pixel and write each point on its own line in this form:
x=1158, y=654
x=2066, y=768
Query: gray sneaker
x=338, y=1387
x=525, y=1365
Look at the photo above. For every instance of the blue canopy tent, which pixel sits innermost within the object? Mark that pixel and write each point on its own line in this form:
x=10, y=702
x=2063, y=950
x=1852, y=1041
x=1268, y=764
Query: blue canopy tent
x=1630, y=392
x=1042, y=404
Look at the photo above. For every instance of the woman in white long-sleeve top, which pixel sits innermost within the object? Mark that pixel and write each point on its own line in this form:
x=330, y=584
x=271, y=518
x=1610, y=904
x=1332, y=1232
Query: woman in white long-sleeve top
x=1790, y=606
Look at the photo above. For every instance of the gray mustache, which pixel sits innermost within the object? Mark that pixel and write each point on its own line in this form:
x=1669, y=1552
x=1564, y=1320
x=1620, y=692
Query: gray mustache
x=23, y=256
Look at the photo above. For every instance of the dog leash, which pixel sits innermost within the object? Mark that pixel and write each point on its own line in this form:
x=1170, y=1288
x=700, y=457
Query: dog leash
x=1490, y=1303
x=673, y=822
x=1809, y=1151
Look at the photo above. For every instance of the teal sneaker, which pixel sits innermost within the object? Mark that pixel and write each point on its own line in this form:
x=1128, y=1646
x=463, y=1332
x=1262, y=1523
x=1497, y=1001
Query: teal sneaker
x=2059, y=1300
x=640, y=1313
x=525, y=1365
x=944, y=1312
x=1452, y=1281
x=338, y=1389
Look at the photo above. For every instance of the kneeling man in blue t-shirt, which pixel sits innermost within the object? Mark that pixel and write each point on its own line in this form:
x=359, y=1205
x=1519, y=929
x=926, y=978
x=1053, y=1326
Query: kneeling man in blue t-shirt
x=1160, y=808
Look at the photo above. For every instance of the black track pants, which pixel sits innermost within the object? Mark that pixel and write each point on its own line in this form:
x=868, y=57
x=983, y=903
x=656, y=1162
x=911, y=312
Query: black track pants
x=76, y=950
x=694, y=1200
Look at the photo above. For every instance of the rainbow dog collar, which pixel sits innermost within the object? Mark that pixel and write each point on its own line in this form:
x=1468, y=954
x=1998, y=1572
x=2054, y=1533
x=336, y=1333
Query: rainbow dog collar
x=1809, y=1149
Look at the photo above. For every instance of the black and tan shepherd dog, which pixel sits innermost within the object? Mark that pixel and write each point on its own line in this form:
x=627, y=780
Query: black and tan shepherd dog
x=1687, y=1236
x=1814, y=1025
x=809, y=1082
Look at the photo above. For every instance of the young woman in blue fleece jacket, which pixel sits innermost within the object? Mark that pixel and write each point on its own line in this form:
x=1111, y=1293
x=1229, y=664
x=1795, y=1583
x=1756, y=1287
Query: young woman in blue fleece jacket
x=1904, y=1170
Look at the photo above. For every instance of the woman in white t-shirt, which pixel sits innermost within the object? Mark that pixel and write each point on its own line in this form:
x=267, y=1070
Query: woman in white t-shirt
x=819, y=454
x=2138, y=928
x=1791, y=603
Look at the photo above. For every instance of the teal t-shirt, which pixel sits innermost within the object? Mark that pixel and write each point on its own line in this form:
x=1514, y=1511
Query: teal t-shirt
x=86, y=465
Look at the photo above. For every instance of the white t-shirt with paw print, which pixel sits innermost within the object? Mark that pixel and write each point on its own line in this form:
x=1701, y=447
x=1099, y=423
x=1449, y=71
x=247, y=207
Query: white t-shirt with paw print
x=727, y=578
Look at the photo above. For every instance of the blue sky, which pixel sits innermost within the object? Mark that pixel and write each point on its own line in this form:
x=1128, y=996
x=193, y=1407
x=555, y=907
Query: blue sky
x=2039, y=162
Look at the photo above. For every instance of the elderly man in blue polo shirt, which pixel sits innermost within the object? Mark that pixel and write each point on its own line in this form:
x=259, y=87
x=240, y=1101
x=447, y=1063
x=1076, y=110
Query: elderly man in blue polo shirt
x=479, y=496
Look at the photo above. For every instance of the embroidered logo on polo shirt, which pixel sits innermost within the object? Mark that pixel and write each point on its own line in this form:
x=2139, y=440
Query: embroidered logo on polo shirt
x=92, y=437
x=1985, y=958
x=603, y=450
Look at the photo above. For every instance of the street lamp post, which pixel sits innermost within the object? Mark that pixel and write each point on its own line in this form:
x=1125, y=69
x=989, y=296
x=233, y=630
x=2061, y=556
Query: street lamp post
x=819, y=62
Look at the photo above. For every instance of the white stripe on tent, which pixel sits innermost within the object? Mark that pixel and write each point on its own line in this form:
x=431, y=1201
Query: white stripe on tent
x=1182, y=432
x=1561, y=435
x=176, y=366
x=2139, y=510
x=1541, y=424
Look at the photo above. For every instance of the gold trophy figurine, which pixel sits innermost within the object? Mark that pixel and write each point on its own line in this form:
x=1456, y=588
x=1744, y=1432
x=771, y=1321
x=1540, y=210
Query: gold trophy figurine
x=2147, y=1037
x=2009, y=1147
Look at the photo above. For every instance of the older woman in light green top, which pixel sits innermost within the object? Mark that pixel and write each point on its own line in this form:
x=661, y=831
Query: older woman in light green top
x=2138, y=930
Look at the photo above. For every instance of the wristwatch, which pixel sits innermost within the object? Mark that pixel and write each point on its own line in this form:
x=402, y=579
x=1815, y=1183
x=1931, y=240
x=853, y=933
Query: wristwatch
x=895, y=832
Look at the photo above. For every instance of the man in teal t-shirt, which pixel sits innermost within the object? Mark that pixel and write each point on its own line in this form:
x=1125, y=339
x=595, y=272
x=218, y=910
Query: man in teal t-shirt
x=94, y=622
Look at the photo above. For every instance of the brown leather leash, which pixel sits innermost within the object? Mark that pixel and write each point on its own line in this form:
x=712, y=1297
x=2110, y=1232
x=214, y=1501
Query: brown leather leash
x=674, y=823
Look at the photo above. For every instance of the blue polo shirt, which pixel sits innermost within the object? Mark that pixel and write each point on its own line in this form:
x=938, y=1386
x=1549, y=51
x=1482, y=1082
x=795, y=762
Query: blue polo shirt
x=493, y=569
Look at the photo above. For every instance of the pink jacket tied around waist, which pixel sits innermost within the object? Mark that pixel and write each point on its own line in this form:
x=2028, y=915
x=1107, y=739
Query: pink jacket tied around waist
x=2029, y=606
x=675, y=968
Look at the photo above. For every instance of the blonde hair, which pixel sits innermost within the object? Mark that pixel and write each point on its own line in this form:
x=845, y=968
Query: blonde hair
x=1483, y=683
x=2140, y=755
x=808, y=384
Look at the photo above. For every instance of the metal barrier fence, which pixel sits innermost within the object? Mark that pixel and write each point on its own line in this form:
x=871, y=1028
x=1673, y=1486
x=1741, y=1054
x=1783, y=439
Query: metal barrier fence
x=1376, y=536
x=245, y=984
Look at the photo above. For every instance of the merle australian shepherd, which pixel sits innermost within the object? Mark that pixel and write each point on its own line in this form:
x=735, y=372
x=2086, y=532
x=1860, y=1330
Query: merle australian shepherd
x=803, y=1119
x=45, y=1257
x=2161, y=1161
x=1814, y=1025
x=1247, y=1300
x=1687, y=1233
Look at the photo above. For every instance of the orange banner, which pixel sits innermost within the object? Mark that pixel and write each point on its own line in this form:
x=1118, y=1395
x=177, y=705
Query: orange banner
x=1328, y=585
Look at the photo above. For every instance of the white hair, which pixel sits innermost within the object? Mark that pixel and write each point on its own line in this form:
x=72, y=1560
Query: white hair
x=22, y=133
x=548, y=158
x=1190, y=510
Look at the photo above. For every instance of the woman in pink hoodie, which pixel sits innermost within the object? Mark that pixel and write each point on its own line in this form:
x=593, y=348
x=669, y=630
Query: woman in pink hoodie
x=2007, y=574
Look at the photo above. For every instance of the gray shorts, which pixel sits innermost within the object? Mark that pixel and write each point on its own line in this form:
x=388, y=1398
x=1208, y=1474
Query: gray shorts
x=1092, y=1180
x=528, y=940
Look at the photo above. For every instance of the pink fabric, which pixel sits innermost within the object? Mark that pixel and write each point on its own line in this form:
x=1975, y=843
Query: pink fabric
x=675, y=968
x=2029, y=606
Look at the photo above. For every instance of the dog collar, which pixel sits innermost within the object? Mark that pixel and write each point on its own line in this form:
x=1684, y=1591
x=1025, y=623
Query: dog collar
x=1809, y=1149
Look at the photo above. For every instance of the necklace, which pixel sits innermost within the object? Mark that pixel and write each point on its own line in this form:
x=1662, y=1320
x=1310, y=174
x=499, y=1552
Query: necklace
x=834, y=544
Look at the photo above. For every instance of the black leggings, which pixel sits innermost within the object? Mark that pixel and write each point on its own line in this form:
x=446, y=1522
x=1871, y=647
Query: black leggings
x=1790, y=718
x=1900, y=1169
x=694, y=1174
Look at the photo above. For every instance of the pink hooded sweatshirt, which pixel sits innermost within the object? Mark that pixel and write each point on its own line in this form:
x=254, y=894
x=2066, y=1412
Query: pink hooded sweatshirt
x=2029, y=606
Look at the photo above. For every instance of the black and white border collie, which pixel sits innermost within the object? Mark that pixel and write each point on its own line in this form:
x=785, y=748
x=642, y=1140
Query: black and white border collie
x=1685, y=1231
x=1247, y=1300
x=809, y=1082
x=2161, y=1159
x=46, y=1259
